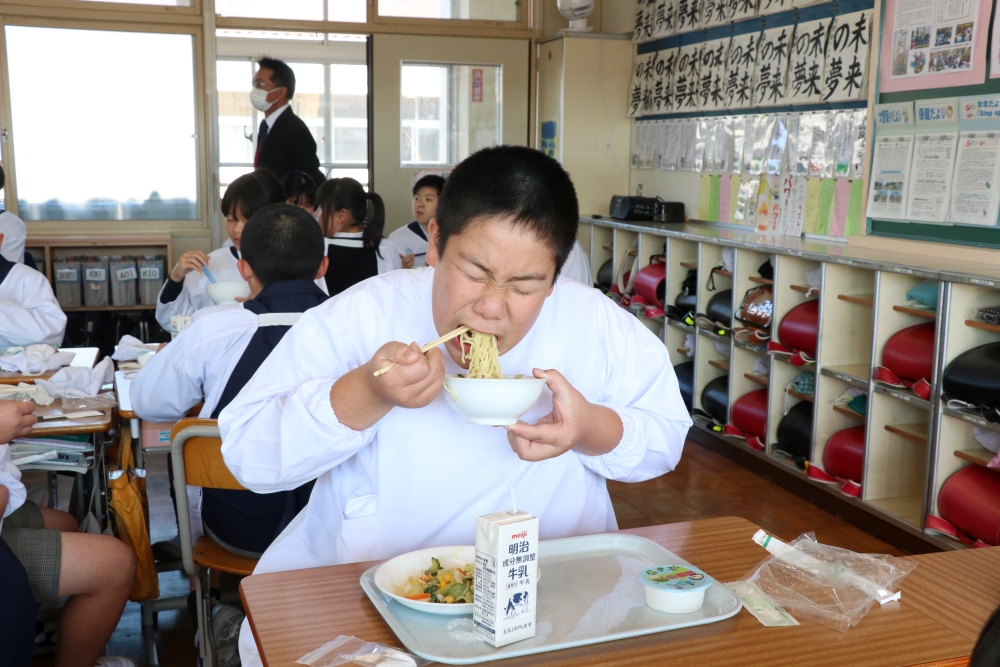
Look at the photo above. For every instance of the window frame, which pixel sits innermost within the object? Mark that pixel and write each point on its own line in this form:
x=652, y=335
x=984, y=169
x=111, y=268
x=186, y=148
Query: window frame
x=110, y=10
x=449, y=164
x=8, y=149
x=523, y=23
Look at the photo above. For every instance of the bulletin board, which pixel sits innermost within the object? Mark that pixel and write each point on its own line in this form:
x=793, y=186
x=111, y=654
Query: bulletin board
x=987, y=236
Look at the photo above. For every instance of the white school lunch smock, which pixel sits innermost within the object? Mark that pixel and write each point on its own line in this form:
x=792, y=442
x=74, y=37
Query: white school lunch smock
x=418, y=478
x=409, y=241
x=193, y=297
x=10, y=477
x=577, y=266
x=15, y=236
x=29, y=312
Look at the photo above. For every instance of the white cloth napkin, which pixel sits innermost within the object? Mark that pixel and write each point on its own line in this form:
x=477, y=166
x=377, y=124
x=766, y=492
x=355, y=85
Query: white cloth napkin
x=35, y=360
x=78, y=382
x=37, y=394
x=128, y=349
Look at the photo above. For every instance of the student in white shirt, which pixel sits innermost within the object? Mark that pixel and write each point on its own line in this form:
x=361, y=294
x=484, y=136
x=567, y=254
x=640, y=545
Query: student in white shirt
x=353, y=220
x=95, y=572
x=213, y=358
x=184, y=291
x=399, y=469
x=577, y=266
x=412, y=239
x=15, y=234
x=29, y=312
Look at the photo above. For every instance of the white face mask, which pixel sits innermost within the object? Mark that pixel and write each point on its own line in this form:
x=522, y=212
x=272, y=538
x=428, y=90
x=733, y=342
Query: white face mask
x=258, y=98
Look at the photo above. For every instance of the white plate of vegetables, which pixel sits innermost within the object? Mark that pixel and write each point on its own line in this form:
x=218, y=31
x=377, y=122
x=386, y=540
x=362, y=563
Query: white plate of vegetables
x=437, y=580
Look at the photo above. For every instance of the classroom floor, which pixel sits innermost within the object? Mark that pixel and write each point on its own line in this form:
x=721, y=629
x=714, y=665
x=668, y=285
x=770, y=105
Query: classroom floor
x=704, y=485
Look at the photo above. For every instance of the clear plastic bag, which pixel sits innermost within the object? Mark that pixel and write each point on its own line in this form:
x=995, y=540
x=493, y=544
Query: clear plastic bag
x=98, y=402
x=829, y=585
x=348, y=650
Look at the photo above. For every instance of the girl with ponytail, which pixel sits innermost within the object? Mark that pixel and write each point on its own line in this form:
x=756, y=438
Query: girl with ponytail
x=353, y=221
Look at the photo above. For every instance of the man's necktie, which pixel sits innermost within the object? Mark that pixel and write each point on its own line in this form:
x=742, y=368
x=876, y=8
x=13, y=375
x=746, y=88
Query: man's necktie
x=261, y=136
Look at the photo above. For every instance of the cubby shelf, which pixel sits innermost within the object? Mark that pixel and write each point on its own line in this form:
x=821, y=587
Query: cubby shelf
x=802, y=397
x=680, y=325
x=976, y=324
x=849, y=413
x=863, y=299
x=681, y=350
x=915, y=432
x=902, y=395
x=912, y=447
x=978, y=456
x=854, y=374
x=929, y=314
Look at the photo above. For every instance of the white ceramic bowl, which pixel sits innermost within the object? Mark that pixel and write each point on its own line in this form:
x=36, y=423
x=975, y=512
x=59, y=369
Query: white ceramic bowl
x=393, y=573
x=492, y=402
x=144, y=357
x=221, y=293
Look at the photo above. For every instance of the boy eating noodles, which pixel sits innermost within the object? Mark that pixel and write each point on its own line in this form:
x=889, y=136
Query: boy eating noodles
x=412, y=239
x=398, y=469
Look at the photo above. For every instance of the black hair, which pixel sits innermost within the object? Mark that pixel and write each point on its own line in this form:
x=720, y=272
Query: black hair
x=521, y=184
x=282, y=242
x=251, y=192
x=347, y=193
x=281, y=74
x=987, y=650
x=299, y=184
x=3, y=179
x=429, y=181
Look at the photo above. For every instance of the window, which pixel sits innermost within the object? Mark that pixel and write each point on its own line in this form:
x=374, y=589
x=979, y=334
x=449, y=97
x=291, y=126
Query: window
x=332, y=100
x=103, y=137
x=353, y=11
x=167, y=3
x=484, y=10
x=448, y=112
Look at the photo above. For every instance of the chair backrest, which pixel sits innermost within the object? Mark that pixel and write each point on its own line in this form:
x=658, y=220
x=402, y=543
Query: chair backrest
x=202, y=454
x=196, y=453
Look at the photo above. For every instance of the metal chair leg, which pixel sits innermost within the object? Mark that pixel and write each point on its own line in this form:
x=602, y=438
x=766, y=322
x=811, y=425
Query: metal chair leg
x=149, y=633
x=206, y=644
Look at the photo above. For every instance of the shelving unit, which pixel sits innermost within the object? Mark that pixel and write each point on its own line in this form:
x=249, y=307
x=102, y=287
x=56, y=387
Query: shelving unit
x=912, y=445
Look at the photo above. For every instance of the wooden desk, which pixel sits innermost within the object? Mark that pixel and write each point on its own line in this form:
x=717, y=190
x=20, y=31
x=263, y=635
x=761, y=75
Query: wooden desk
x=100, y=424
x=293, y=613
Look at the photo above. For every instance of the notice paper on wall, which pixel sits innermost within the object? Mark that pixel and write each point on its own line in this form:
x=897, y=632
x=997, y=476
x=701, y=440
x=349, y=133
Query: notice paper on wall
x=930, y=44
x=933, y=159
x=890, y=177
x=977, y=172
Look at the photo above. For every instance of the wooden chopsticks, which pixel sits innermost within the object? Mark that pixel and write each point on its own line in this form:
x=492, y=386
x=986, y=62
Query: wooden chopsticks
x=448, y=336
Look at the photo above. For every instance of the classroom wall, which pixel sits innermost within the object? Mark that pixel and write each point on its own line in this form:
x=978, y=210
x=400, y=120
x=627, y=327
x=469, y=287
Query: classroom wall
x=391, y=180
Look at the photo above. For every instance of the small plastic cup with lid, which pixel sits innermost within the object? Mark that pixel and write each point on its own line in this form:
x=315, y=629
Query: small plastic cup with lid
x=675, y=589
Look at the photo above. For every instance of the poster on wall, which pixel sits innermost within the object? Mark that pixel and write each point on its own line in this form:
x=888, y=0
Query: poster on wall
x=651, y=91
x=686, y=78
x=974, y=192
x=737, y=88
x=653, y=19
x=845, y=72
x=931, y=44
x=805, y=75
x=890, y=177
x=772, y=66
x=711, y=74
x=687, y=15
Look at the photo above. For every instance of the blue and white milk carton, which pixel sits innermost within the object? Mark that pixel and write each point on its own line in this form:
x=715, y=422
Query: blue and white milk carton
x=506, y=576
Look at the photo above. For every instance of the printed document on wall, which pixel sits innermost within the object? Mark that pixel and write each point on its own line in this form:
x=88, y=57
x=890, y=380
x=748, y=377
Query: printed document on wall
x=977, y=169
x=930, y=190
x=890, y=177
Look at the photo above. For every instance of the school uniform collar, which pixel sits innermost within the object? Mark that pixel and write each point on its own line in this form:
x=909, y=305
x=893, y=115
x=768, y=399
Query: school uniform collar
x=347, y=240
x=273, y=118
x=417, y=229
x=286, y=296
x=234, y=251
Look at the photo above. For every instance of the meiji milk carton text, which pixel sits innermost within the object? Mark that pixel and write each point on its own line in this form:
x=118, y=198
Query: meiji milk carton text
x=506, y=576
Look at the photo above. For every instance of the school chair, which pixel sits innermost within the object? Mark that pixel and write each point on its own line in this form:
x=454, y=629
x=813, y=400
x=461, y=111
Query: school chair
x=196, y=452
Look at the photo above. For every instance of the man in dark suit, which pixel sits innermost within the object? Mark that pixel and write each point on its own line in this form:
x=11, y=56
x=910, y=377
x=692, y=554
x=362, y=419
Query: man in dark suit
x=284, y=143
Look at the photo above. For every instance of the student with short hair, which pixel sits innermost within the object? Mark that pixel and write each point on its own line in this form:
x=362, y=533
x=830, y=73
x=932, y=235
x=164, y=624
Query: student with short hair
x=352, y=221
x=184, y=293
x=300, y=190
x=213, y=358
x=398, y=468
x=96, y=572
x=412, y=239
x=29, y=312
x=15, y=234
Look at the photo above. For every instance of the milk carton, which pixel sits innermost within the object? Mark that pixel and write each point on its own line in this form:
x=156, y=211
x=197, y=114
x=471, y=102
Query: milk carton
x=506, y=576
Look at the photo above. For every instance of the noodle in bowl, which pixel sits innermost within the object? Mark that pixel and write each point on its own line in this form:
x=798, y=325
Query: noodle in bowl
x=492, y=402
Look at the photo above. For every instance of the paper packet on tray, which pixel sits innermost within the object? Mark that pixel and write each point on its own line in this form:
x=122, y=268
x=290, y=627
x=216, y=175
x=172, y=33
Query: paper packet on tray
x=348, y=650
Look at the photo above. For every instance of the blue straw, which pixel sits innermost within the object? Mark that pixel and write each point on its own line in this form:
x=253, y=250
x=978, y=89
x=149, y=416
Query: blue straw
x=208, y=274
